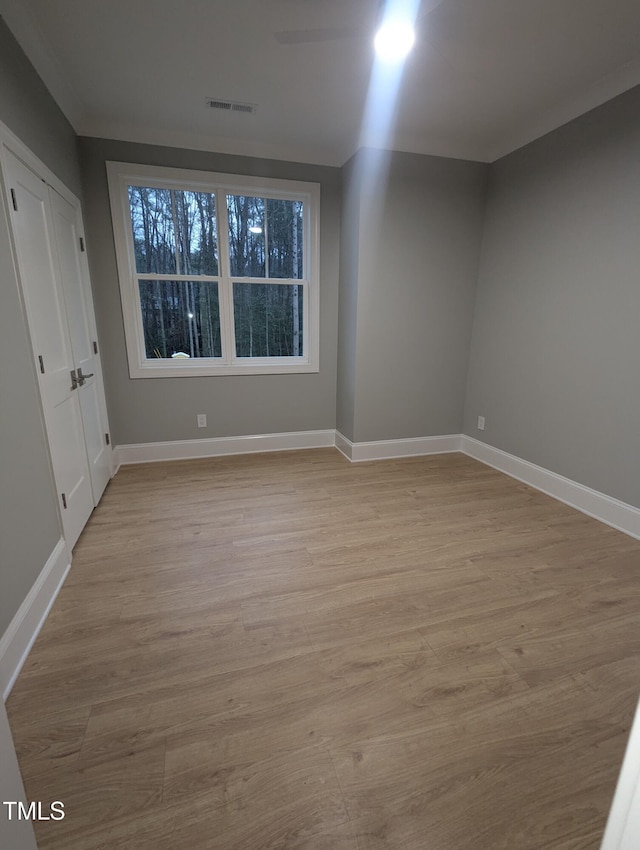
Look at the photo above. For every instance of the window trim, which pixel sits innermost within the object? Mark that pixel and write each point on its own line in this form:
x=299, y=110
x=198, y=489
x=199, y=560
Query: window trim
x=120, y=176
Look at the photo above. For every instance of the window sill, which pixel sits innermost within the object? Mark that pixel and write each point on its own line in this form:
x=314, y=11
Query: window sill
x=187, y=369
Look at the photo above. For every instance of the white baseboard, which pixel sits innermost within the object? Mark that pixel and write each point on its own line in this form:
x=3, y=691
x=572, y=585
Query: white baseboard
x=611, y=511
x=18, y=639
x=219, y=446
x=621, y=516
x=389, y=449
x=343, y=445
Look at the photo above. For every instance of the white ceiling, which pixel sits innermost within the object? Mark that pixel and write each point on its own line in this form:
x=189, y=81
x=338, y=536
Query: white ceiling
x=485, y=77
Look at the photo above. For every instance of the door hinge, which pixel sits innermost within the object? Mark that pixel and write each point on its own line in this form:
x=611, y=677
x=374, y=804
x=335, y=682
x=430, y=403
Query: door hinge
x=41, y=362
x=82, y=248
x=95, y=347
x=107, y=439
x=64, y=501
x=14, y=200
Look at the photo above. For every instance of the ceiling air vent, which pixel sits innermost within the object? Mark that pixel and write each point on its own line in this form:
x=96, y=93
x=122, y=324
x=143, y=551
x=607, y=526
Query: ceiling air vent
x=231, y=105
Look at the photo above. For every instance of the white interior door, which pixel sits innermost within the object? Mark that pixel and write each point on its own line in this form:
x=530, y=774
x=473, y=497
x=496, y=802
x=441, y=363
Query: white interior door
x=79, y=309
x=34, y=236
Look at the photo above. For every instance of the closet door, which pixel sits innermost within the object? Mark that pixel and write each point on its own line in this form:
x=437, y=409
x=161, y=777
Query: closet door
x=79, y=309
x=34, y=235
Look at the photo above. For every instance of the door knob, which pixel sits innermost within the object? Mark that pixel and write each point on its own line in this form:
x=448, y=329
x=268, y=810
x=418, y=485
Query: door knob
x=82, y=378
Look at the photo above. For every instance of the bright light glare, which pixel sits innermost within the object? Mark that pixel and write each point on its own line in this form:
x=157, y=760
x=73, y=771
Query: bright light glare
x=394, y=40
x=255, y=229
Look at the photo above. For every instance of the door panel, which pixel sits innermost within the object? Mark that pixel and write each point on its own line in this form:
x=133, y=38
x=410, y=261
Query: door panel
x=79, y=309
x=44, y=301
x=64, y=431
x=45, y=309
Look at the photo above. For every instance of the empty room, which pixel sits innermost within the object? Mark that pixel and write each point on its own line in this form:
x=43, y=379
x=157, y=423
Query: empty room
x=320, y=425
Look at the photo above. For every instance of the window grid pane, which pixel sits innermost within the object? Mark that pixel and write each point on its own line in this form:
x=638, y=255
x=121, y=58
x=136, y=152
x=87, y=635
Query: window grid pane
x=197, y=232
x=246, y=217
x=174, y=231
x=180, y=319
x=268, y=319
x=285, y=238
x=152, y=224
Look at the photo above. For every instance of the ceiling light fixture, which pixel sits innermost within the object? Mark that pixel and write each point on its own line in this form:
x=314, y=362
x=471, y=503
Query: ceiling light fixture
x=394, y=40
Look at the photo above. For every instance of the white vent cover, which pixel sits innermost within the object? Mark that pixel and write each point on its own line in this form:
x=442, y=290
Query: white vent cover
x=231, y=105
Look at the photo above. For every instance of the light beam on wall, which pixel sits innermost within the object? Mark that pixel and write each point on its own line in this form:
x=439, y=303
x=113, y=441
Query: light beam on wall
x=393, y=43
x=394, y=39
x=379, y=118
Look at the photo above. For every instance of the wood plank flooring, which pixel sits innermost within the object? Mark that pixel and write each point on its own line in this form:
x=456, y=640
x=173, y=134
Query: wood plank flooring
x=290, y=651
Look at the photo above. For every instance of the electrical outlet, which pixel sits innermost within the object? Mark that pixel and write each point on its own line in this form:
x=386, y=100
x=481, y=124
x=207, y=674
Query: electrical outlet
x=480, y=423
x=202, y=420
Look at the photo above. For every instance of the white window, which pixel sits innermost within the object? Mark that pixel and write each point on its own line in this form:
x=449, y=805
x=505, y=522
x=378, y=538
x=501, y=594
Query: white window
x=218, y=273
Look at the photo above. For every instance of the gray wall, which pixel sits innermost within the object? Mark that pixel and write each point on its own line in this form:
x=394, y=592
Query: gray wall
x=420, y=227
x=28, y=508
x=555, y=356
x=348, y=301
x=31, y=113
x=147, y=410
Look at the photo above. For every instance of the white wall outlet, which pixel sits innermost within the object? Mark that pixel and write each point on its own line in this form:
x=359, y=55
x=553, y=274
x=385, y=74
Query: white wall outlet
x=480, y=423
x=202, y=420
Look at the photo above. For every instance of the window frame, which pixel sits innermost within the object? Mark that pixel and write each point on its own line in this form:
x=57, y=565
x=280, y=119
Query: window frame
x=120, y=176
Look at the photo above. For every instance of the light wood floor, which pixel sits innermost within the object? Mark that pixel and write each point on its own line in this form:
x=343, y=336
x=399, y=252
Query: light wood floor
x=290, y=651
